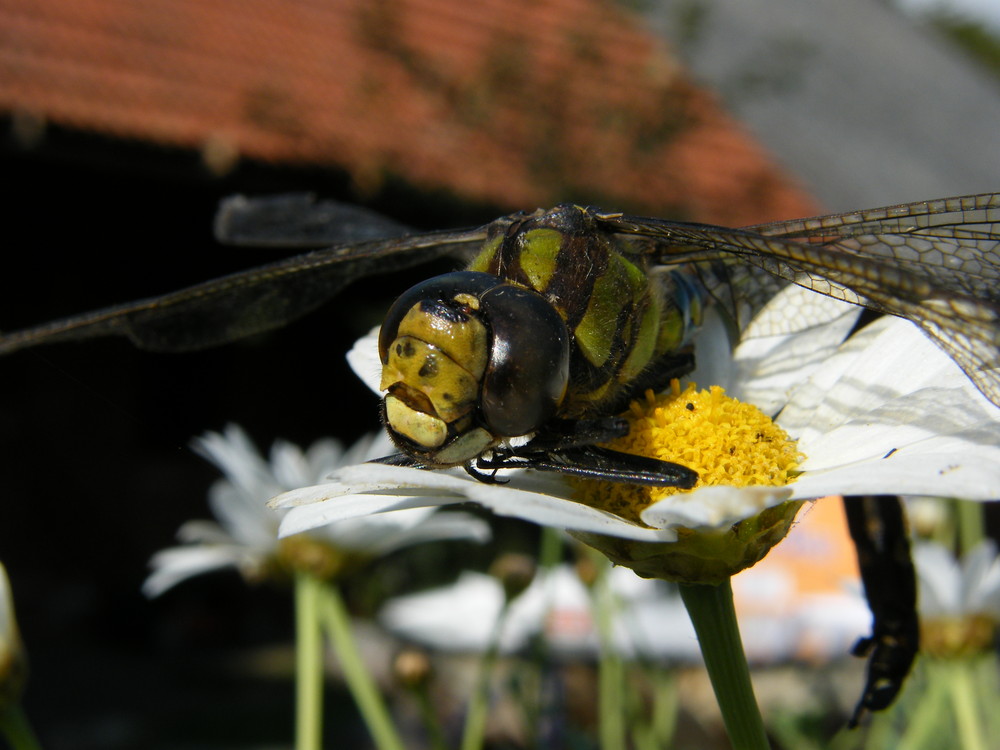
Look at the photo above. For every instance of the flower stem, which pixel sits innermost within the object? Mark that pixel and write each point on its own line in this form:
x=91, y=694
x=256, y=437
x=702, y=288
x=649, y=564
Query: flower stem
x=611, y=673
x=714, y=618
x=308, y=665
x=666, y=704
x=550, y=549
x=432, y=723
x=971, y=529
x=986, y=679
x=337, y=624
x=14, y=727
x=964, y=704
x=477, y=710
x=927, y=715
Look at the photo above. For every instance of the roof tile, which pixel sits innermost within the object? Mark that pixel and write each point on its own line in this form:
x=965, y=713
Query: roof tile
x=514, y=103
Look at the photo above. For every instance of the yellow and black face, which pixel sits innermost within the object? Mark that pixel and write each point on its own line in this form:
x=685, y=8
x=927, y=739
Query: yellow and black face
x=469, y=359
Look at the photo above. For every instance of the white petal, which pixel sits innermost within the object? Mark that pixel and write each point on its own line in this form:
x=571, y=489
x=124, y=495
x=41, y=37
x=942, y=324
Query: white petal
x=460, y=617
x=530, y=500
x=785, y=343
x=243, y=515
x=558, y=606
x=324, y=456
x=661, y=628
x=714, y=363
x=713, y=506
x=891, y=414
x=364, y=360
x=369, y=531
x=340, y=508
x=932, y=467
x=437, y=528
x=10, y=640
x=463, y=616
x=981, y=580
x=939, y=578
x=235, y=454
x=792, y=337
x=203, y=532
x=373, y=488
x=381, y=533
x=876, y=372
x=373, y=478
x=175, y=564
x=928, y=418
x=288, y=465
x=797, y=311
x=371, y=446
x=649, y=618
x=629, y=587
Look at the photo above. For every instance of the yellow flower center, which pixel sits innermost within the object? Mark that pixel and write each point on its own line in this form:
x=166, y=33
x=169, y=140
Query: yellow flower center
x=302, y=552
x=726, y=441
x=956, y=637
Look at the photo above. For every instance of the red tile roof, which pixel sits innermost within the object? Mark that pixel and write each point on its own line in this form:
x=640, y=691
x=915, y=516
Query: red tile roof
x=513, y=102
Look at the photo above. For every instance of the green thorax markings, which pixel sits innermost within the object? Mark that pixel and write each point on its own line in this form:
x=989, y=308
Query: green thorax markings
x=603, y=293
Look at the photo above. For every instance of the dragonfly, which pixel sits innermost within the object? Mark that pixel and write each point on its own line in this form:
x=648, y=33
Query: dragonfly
x=610, y=331
x=563, y=314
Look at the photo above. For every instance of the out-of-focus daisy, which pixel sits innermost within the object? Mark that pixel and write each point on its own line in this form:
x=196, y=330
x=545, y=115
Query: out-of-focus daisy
x=959, y=601
x=952, y=699
x=803, y=601
x=887, y=412
x=557, y=606
x=13, y=664
x=245, y=535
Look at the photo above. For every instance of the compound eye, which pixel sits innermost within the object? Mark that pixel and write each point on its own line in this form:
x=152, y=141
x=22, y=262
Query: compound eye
x=528, y=370
x=438, y=289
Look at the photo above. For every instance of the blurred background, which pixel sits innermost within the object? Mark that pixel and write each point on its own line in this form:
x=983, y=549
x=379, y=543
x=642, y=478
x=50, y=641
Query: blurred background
x=124, y=124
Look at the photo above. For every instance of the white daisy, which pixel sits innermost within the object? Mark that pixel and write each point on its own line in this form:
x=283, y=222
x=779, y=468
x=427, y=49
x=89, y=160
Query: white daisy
x=959, y=603
x=959, y=600
x=245, y=535
x=462, y=617
x=950, y=588
x=887, y=412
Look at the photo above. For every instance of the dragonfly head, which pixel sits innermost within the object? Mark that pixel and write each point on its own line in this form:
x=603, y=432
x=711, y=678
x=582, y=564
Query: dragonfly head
x=469, y=359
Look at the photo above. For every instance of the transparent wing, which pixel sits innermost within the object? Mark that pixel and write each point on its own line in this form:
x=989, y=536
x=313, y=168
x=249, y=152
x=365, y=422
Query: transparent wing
x=935, y=262
x=299, y=220
x=951, y=242
x=244, y=303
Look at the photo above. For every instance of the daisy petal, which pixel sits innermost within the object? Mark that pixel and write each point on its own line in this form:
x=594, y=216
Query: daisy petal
x=176, y=564
x=939, y=580
x=933, y=467
x=557, y=511
x=203, y=532
x=802, y=332
x=438, y=527
x=713, y=506
x=364, y=360
x=343, y=507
